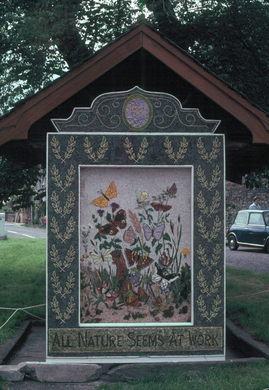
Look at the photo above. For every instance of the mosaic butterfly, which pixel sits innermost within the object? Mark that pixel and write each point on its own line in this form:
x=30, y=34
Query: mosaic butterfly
x=118, y=222
x=101, y=257
x=163, y=277
x=129, y=235
x=160, y=207
x=172, y=190
x=156, y=232
x=110, y=193
x=134, y=258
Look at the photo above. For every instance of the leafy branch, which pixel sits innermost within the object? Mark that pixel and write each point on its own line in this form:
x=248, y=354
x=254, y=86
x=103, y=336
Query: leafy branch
x=57, y=287
x=67, y=208
x=63, y=237
x=69, y=177
x=66, y=315
x=181, y=152
x=62, y=265
x=214, y=257
x=99, y=154
x=208, y=209
x=211, y=313
x=56, y=148
x=142, y=151
x=204, y=153
x=209, y=185
x=204, y=287
x=212, y=233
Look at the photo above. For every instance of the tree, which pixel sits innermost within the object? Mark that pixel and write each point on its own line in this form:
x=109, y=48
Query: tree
x=257, y=179
x=42, y=39
x=18, y=183
x=229, y=37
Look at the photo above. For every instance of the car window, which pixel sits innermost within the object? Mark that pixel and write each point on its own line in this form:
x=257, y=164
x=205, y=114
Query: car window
x=256, y=219
x=241, y=218
x=266, y=218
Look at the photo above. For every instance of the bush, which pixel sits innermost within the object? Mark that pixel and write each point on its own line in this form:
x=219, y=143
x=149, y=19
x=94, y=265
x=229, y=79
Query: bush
x=258, y=179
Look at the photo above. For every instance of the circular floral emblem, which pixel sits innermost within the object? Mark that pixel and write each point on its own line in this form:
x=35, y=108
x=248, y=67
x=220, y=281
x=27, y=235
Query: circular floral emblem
x=137, y=112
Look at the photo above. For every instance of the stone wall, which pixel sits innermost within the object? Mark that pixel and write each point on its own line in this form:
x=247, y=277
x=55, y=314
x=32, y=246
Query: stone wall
x=238, y=197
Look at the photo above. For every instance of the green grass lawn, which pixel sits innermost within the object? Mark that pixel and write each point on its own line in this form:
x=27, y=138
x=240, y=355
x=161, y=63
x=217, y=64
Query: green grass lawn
x=248, y=301
x=22, y=280
x=254, y=376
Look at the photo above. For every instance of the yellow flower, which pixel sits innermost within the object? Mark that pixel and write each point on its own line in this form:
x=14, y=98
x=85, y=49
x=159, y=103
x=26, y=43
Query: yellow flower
x=185, y=252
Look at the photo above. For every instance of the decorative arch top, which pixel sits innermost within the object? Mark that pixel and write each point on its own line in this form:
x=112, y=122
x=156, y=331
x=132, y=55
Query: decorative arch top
x=136, y=110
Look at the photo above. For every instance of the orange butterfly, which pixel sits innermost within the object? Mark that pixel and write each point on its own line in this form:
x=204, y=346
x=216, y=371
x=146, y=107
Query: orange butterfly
x=111, y=192
x=134, y=258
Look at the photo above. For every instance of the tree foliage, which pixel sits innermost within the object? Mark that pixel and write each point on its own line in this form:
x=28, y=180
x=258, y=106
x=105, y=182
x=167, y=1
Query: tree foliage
x=18, y=183
x=229, y=37
x=42, y=39
x=257, y=179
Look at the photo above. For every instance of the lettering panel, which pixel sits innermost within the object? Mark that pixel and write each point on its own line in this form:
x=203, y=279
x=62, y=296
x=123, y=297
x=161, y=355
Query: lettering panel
x=116, y=340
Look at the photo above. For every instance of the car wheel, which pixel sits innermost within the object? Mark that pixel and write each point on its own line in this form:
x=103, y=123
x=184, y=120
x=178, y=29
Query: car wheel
x=232, y=243
x=266, y=247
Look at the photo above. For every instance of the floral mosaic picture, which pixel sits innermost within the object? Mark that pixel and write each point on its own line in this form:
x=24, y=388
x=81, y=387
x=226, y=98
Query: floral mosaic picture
x=135, y=245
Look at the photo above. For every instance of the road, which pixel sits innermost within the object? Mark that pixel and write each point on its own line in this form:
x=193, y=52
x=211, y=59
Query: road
x=16, y=230
x=248, y=258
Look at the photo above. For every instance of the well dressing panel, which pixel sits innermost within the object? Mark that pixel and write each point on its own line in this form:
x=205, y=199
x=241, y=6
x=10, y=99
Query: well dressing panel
x=135, y=245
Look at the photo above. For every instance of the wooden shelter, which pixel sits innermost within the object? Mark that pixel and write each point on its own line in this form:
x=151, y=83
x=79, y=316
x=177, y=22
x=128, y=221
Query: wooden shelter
x=145, y=58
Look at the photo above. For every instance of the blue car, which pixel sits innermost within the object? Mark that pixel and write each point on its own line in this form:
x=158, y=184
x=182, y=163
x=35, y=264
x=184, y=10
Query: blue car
x=250, y=228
